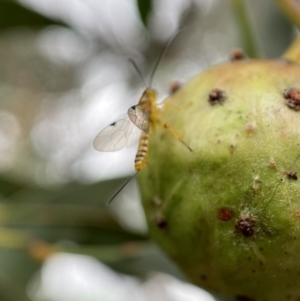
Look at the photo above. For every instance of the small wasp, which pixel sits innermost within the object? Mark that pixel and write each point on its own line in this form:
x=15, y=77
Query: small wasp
x=135, y=125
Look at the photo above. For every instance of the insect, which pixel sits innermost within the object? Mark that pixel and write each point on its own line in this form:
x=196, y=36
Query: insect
x=136, y=125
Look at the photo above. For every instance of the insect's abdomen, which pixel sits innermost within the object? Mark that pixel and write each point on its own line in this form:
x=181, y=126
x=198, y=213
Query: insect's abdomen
x=142, y=152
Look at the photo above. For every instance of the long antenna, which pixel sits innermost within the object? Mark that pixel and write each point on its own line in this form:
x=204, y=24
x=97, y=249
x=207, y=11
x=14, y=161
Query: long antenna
x=120, y=189
x=161, y=54
x=138, y=71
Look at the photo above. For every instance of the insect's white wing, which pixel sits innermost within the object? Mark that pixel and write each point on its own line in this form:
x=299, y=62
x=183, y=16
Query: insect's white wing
x=133, y=134
x=139, y=117
x=113, y=137
x=117, y=135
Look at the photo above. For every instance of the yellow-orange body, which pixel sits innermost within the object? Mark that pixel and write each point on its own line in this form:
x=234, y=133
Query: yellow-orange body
x=142, y=152
x=147, y=105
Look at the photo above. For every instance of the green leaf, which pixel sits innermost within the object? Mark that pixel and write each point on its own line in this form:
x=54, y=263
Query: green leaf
x=16, y=268
x=9, y=186
x=14, y=14
x=9, y=291
x=75, y=212
x=246, y=29
x=144, y=7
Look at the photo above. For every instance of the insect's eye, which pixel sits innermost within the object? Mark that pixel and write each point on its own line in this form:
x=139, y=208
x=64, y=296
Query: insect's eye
x=113, y=123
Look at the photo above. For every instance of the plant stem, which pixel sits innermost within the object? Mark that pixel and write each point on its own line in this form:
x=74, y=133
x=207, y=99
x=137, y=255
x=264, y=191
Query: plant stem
x=246, y=31
x=293, y=52
x=292, y=9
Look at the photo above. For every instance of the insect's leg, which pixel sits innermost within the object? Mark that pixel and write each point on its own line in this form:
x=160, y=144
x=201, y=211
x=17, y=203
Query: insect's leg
x=176, y=135
x=168, y=105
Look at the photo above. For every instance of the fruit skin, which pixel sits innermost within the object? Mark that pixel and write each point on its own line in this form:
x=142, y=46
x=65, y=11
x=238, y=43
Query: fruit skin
x=229, y=212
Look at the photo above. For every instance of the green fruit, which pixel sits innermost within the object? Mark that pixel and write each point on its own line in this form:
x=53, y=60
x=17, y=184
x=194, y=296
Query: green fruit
x=229, y=212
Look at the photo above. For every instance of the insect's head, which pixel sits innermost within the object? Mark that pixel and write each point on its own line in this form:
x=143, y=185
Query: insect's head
x=148, y=97
x=150, y=93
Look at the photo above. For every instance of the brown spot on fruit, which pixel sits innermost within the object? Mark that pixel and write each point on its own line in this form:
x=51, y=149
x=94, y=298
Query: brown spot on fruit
x=161, y=222
x=292, y=175
x=250, y=128
x=174, y=86
x=237, y=55
x=232, y=148
x=243, y=298
x=245, y=225
x=203, y=277
x=216, y=96
x=225, y=214
x=292, y=96
x=273, y=164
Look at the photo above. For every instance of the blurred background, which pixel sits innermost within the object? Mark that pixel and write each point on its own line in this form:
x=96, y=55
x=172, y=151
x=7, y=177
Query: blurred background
x=64, y=76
